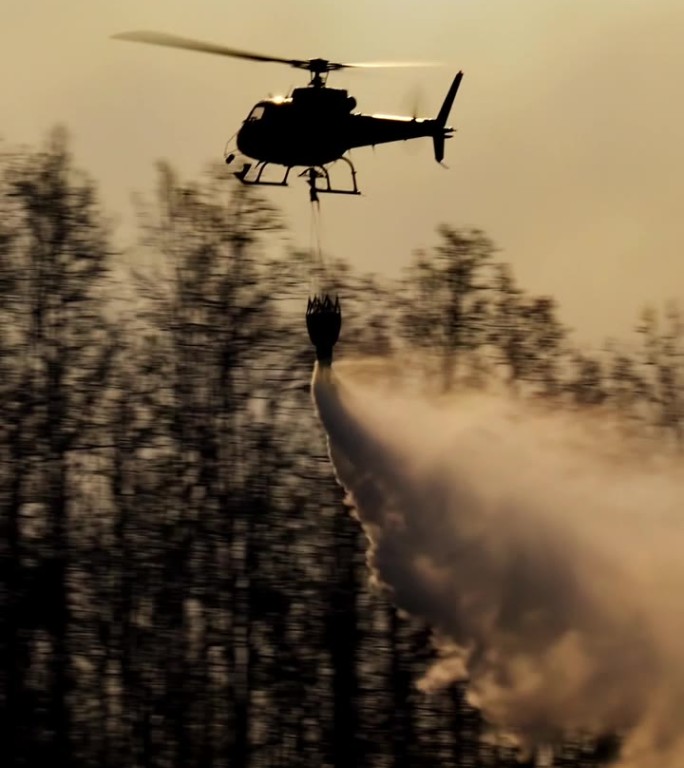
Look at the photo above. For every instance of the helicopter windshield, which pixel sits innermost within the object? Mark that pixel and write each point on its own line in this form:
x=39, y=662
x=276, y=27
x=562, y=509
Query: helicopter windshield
x=257, y=113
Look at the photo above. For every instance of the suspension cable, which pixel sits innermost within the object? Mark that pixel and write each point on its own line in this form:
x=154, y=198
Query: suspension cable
x=316, y=248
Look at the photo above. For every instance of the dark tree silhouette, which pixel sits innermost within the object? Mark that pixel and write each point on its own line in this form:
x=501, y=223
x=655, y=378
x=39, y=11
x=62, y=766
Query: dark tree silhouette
x=527, y=335
x=60, y=354
x=663, y=350
x=445, y=310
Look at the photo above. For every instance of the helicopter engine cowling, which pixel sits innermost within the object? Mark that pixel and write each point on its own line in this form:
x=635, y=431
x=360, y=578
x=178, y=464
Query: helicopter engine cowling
x=323, y=100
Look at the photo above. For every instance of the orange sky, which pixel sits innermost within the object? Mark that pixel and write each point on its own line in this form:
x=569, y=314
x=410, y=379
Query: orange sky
x=569, y=151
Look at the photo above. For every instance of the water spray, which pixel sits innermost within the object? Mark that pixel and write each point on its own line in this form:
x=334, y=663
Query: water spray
x=546, y=559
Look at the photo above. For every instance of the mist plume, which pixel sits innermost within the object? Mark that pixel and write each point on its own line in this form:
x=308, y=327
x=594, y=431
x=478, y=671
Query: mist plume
x=543, y=549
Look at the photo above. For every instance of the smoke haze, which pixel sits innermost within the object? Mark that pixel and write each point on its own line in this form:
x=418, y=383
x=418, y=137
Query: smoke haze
x=544, y=549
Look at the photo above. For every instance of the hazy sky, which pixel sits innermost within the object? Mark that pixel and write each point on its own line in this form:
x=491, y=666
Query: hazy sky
x=569, y=151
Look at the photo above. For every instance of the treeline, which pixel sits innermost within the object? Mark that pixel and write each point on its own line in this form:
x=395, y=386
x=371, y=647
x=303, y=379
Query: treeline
x=180, y=583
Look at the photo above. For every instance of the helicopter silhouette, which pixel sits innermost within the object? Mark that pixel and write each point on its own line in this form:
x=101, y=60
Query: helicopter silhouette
x=316, y=125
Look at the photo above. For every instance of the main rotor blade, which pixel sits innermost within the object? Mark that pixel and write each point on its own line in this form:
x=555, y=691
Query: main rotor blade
x=392, y=64
x=174, y=41
x=313, y=65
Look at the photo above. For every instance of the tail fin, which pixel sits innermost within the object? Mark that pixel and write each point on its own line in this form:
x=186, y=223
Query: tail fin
x=441, y=129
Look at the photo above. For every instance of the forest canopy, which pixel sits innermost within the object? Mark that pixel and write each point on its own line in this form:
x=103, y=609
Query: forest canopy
x=180, y=581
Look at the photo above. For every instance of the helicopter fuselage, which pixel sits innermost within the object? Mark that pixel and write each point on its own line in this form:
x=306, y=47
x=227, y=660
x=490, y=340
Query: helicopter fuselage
x=316, y=126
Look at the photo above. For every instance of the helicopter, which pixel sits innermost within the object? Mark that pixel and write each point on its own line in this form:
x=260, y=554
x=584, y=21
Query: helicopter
x=314, y=126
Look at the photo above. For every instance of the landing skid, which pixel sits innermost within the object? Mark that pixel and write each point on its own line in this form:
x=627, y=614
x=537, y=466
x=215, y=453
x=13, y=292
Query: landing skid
x=247, y=167
x=312, y=174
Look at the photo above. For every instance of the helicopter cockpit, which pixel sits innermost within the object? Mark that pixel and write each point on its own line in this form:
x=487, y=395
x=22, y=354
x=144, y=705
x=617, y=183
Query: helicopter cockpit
x=257, y=113
x=266, y=109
